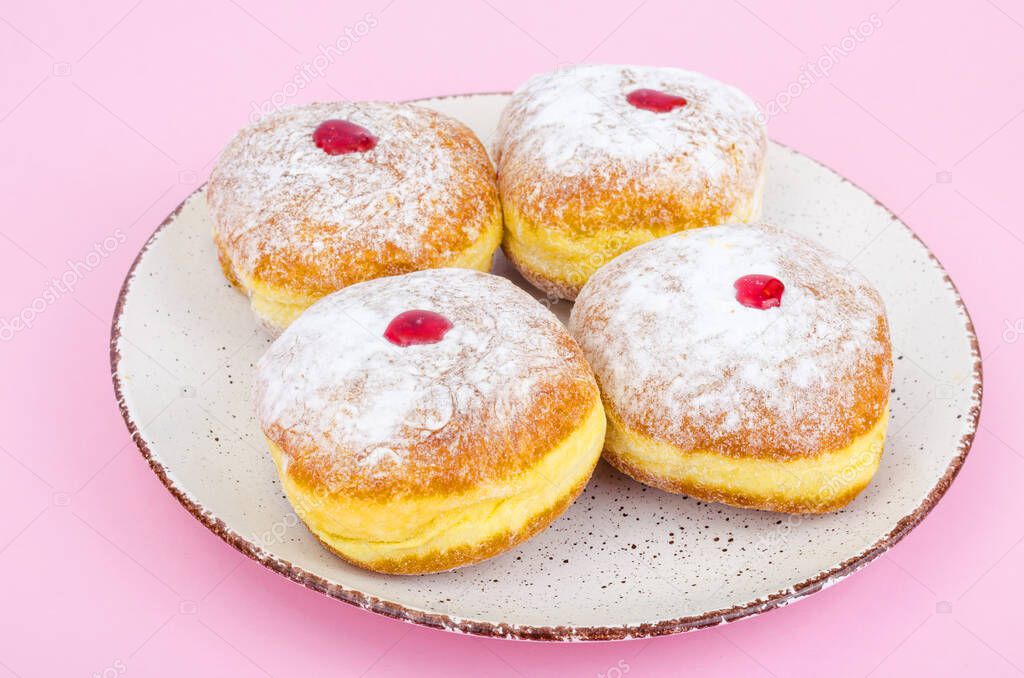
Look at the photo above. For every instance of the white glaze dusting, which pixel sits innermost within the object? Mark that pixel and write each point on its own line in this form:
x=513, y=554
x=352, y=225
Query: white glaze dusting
x=273, y=192
x=336, y=389
x=670, y=343
x=577, y=120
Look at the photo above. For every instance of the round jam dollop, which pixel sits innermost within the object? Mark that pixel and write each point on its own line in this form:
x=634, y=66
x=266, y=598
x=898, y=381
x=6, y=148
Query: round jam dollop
x=759, y=291
x=654, y=100
x=335, y=137
x=417, y=327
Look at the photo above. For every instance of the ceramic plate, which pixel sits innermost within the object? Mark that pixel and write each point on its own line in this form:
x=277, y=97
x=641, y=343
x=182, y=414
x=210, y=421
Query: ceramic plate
x=625, y=560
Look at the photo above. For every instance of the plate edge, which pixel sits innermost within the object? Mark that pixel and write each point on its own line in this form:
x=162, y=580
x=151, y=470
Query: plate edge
x=556, y=633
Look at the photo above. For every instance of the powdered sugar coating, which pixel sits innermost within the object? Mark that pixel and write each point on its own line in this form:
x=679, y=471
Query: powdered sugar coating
x=289, y=213
x=576, y=123
x=359, y=411
x=679, y=358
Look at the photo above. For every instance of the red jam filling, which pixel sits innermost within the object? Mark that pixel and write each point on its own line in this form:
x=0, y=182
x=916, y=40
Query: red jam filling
x=759, y=291
x=417, y=327
x=335, y=137
x=653, y=100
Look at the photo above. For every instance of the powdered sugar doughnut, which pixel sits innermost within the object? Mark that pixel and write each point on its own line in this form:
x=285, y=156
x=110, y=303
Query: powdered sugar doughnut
x=314, y=198
x=740, y=364
x=426, y=421
x=594, y=160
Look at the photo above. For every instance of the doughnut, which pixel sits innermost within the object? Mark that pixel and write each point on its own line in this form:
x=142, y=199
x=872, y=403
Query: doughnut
x=595, y=160
x=739, y=364
x=314, y=198
x=430, y=420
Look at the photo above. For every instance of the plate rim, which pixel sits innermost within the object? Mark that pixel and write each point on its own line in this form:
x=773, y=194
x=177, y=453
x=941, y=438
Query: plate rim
x=552, y=633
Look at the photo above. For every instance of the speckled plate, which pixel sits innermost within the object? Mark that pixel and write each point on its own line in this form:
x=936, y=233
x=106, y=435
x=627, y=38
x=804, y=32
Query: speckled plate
x=624, y=561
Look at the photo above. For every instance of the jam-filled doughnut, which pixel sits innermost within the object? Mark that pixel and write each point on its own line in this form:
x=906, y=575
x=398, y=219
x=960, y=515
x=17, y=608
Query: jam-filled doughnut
x=740, y=364
x=430, y=420
x=594, y=160
x=314, y=198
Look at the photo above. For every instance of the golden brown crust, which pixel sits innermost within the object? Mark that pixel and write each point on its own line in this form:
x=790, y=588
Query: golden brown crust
x=575, y=156
x=561, y=403
x=680, y=361
x=521, y=381
x=611, y=198
x=425, y=194
x=870, y=378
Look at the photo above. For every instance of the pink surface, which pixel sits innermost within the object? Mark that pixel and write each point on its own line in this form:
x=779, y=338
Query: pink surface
x=110, y=114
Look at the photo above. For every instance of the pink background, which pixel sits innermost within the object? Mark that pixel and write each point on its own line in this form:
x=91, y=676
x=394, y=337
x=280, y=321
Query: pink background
x=111, y=113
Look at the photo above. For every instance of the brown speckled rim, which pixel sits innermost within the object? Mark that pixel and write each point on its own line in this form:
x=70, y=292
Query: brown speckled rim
x=550, y=633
